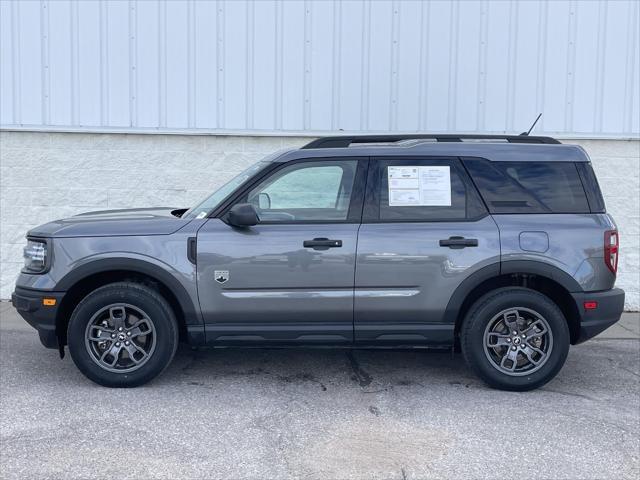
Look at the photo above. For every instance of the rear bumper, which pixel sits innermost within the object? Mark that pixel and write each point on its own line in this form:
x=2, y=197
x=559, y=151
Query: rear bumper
x=610, y=304
x=29, y=304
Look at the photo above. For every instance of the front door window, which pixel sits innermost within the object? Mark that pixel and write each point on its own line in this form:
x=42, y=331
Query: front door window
x=318, y=191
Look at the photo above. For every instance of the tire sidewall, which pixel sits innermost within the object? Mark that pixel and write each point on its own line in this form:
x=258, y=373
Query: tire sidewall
x=490, y=305
x=146, y=300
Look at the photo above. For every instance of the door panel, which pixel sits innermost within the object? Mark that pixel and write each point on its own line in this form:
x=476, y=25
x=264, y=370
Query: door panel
x=404, y=278
x=424, y=231
x=276, y=289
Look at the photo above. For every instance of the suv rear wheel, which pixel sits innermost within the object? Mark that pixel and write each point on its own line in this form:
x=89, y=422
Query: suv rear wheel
x=122, y=335
x=515, y=339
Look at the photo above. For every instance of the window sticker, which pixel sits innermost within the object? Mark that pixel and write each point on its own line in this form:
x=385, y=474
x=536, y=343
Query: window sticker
x=419, y=186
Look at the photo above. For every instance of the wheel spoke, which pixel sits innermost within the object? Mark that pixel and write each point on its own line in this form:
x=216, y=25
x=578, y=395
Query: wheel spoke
x=117, y=316
x=132, y=349
x=140, y=328
x=102, y=334
x=114, y=352
x=536, y=329
x=510, y=360
x=530, y=352
x=497, y=340
x=511, y=318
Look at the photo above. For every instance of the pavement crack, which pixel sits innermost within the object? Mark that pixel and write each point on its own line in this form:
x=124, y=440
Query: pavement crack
x=609, y=339
x=304, y=377
x=626, y=328
x=360, y=375
x=570, y=394
x=623, y=368
x=630, y=371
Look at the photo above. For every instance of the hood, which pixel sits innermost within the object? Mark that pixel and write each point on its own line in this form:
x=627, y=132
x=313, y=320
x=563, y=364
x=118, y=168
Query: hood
x=112, y=223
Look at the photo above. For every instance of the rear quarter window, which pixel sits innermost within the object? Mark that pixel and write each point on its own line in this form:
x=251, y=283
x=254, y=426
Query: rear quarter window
x=591, y=187
x=529, y=187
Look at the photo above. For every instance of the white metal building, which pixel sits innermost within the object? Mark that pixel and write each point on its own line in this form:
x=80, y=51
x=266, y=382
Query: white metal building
x=254, y=76
x=298, y=66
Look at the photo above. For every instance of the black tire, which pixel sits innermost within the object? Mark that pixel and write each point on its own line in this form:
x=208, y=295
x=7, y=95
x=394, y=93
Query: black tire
x=117, y=301
x=490, y=310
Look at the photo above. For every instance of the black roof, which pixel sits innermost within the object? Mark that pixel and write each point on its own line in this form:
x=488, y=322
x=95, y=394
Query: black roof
x=496, y=148
x=344, y=141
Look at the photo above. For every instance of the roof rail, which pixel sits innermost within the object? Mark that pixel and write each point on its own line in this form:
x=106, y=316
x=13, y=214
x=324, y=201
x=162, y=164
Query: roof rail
x=344, y=141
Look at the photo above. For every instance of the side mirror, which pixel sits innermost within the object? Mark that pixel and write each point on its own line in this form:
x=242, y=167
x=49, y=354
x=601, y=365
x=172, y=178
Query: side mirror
x=264, y=201
x=243, y=215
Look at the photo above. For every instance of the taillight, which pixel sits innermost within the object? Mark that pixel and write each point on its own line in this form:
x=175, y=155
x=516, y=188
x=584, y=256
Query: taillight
x=611, y=244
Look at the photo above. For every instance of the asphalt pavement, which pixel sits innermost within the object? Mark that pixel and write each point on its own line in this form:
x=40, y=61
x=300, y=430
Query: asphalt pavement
x=269, y=413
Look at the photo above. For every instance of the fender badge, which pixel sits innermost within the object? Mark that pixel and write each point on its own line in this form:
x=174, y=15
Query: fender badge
x=221, y=276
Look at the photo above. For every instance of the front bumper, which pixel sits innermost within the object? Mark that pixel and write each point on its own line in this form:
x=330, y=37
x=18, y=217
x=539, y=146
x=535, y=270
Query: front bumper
x=610, y=304
x=30, y=306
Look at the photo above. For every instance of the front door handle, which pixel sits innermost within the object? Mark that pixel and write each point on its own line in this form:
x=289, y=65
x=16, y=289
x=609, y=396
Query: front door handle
x=322, y=243
x=459, y=242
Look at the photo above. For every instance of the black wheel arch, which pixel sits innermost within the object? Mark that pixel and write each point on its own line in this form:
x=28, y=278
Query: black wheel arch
x=542, y=277
x=86, y=278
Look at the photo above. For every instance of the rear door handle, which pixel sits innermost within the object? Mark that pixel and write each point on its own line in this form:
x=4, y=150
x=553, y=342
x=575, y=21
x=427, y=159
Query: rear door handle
x=322, y=243
x=459, y=242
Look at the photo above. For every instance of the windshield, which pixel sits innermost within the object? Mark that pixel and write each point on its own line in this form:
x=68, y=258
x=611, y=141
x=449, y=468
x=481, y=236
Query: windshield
x=203, y=209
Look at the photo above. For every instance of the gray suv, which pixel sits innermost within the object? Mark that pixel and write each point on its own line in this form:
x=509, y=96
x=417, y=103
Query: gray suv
x=497, y=245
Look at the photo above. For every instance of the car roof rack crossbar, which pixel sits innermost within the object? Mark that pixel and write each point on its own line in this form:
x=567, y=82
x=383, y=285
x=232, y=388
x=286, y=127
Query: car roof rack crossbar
x=345, y=141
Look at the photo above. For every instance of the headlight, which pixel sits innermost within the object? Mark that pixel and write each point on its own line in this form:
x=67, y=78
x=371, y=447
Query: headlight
x=35, y=256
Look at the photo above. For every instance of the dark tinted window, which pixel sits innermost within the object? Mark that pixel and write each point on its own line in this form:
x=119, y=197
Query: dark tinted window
x=529, y=187
x=434, y=190
x=591, y=187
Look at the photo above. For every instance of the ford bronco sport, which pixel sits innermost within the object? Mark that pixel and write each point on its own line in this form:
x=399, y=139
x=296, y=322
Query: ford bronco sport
x=497, y=245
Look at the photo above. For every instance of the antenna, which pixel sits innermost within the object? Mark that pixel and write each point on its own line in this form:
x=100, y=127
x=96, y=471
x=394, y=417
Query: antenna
x=526, y=134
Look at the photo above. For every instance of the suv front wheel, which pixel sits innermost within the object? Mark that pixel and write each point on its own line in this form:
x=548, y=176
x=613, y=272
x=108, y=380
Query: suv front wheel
x=122, y=335
x=515, y=339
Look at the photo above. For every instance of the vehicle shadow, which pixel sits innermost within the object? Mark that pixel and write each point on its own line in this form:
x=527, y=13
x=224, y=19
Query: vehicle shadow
x=22, y=357
x=592, y=370
x=367, y=369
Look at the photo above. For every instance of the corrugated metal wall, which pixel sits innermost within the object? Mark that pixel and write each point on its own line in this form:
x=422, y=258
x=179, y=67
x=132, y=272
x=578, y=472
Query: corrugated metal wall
x=321, y=65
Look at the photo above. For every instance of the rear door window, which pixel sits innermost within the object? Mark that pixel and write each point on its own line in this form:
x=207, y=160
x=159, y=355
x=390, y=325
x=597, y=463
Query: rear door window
x=420, y=190
x=529, y=187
